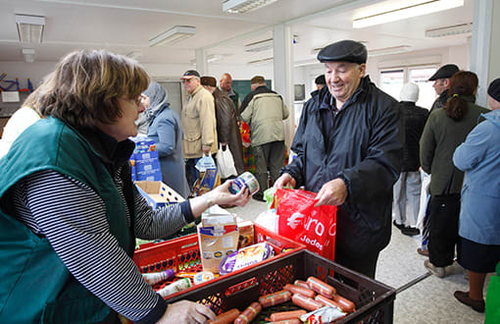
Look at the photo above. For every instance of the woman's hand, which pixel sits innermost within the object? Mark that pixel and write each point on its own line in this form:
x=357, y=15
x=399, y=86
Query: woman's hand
x=185, y=311
x=222, y=196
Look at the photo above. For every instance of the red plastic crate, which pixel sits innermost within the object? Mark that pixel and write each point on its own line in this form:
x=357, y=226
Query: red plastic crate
x=183, y=255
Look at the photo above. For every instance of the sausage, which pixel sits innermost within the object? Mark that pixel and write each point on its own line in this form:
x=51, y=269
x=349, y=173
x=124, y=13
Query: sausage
x=283, y=316
x=346, y=305
x=290, y=321
x=249, y=314
x=279, y=297
x=227, y=317
x=301, y=283
x=300, y=290
x=321, y=287
x=327, y=301
x=306, y=302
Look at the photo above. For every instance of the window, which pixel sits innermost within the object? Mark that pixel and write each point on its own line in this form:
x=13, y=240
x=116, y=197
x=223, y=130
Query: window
x=391, y=82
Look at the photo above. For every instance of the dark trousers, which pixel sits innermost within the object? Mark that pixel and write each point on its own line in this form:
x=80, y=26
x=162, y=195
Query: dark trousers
x=272, y=155
x=365, y=265
x=191, y=172
x=443, y=230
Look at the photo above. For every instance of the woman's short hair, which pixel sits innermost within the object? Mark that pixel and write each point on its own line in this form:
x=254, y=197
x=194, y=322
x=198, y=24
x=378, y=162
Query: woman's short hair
x=86, y=86
x=462, y=83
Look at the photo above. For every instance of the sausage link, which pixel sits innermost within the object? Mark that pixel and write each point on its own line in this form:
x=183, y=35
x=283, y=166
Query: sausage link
x=283, y=316
x=276, y=298
x=321, y=287
x=327, y=301
x=346, y=305
x=290, y=321
x=249, y=314
x=306, y=302
x=227, y=317
x=300, y=290
x=301, y=283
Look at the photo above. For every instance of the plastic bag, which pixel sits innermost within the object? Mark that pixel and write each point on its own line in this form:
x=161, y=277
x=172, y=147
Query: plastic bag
x=206, y=162
x=299, y=220
x=269, y=220
x=208, y=178
x=225, y=162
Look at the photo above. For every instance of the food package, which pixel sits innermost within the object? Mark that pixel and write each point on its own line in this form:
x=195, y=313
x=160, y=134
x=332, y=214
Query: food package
x=246, y=231
x=245, y=257
x=218, y=237
x=326, y=314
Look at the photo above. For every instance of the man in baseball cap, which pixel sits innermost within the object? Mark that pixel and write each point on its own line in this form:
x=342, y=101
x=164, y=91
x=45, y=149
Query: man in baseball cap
x=349, y=146
x=441, y=83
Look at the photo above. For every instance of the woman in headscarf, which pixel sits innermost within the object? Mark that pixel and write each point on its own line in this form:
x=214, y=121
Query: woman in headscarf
x=164, y=127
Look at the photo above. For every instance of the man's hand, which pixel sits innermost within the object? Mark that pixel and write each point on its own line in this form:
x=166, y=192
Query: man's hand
x=332, y=193
x=185, y=311
x=206, y=149
x=284, y=180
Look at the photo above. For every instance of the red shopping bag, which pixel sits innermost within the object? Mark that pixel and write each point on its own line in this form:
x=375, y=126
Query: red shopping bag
x=299, y=220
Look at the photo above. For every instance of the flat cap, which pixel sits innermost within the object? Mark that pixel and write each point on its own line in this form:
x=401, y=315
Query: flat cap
x=445, y=72
x=494, y=89
x=190, y=74
x=320, y=79
x=257, y=79
x=346, y=50
x=209, y=81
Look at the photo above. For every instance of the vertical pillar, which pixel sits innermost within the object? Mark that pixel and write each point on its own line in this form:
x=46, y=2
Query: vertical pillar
x=201, y=61
x=283, y=74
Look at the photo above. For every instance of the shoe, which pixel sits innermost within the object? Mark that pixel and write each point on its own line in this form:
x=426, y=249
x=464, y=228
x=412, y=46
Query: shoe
x=423, y=252
x=399, y=226
x=463, y=297
x=259, y=196
x=410, y=231
x=437, y=271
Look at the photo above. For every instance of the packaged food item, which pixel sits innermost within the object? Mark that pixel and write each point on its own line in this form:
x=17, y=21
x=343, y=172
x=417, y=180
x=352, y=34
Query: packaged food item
x=244, y=180
x=179, y=285
x=246, y=230
x=245, y=257
x=218, y=237
x=323, y=315
x=202, y=277
x=156, y=277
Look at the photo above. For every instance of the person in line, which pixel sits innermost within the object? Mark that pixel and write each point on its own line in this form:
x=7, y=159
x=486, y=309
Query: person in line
x=69, y=212
x=407, y=189
x=445, y=129
x=228, y=132
x=198, y=123
x=349, y=148
x=320, y=82
x=226, y=85
x=441, y=84
x=479, y=222
x=164, y=127
x=265, y=111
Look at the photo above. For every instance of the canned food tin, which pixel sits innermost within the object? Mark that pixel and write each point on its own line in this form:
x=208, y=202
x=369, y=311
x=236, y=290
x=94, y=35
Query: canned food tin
x=244, y=180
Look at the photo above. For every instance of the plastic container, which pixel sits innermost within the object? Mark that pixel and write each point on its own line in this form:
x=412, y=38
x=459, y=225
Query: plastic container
x=374, y=300
x=244, y=180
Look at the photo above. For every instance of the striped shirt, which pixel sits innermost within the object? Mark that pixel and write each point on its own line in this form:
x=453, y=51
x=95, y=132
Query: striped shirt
x=73, y=218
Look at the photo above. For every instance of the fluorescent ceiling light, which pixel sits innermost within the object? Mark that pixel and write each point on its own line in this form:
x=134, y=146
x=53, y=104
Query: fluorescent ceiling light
x=30, y=28
x=29, y=55
x=242, y=6
x=213, y=58
x=449, y=30
x=398, y=10
x=389, y=50
x=260, y=62
x=259, y=46
x=173, y=35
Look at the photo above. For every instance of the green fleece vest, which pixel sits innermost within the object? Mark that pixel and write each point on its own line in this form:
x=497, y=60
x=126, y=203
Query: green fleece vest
x=35, y=285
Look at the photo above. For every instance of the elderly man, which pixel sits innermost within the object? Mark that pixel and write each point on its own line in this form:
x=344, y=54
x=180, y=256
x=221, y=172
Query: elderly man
x=441, y=83
x=199, y=124
x=349, y=146
x=227, y=129
x=226, y=85
x=264, y=111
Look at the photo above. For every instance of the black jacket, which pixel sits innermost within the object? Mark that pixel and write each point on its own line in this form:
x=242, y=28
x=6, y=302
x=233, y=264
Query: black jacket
x=364, y=148
x=414, y=118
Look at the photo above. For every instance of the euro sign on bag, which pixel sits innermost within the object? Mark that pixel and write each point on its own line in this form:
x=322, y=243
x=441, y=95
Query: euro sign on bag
x=299, y=220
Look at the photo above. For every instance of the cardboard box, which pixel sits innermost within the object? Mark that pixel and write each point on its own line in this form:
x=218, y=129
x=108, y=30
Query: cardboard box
x=158, y=194
x=147, y=166
x=218, y=237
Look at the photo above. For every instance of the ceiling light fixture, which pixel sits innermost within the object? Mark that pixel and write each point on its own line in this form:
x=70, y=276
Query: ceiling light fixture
x=388, y=12
x=260, y=46
x=242, y=6
x=260, y=62
x=173, y=35
x=389, y=50
x=449, y=30
x=29, y=55
x=30, y=28
x=213, y=58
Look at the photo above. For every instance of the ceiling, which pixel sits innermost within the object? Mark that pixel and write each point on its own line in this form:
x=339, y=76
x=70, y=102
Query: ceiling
x=125, y=26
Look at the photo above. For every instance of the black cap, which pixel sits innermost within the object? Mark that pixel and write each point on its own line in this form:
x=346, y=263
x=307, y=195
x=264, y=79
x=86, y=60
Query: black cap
x=346, y=50
x=320, y=79
x=189, y=74
x=494, y=89
x=445, y=72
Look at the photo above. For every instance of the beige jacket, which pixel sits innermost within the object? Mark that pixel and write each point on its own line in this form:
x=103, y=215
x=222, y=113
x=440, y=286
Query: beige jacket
x=265, y=114
x=199, y=124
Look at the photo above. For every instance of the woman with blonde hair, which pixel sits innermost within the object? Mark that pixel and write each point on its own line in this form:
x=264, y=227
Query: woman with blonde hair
x=69, y=212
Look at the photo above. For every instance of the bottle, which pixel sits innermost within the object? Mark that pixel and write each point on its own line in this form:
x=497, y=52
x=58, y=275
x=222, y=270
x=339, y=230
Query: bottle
x=156, y=277
x=179, y=285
